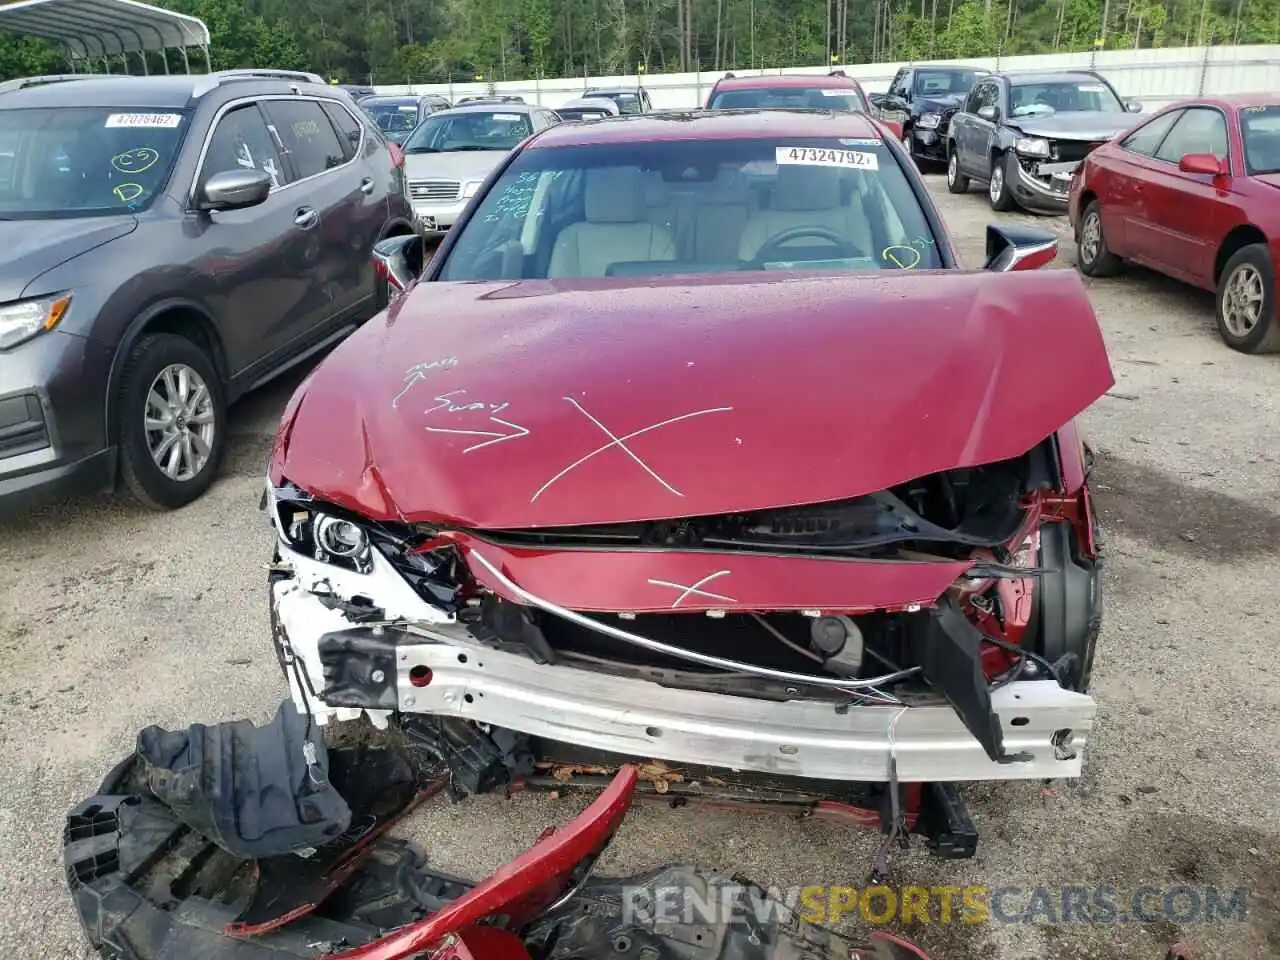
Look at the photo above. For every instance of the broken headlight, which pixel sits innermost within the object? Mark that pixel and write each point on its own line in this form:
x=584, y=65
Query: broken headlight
x=1032, y=147
x=339, y=539
x=333, y=535
x=327, y=534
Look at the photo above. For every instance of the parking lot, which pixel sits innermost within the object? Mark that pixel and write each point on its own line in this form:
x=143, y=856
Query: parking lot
x=112, y=618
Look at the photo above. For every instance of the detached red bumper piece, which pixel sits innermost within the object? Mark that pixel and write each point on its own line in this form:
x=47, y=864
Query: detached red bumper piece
x=523, y=888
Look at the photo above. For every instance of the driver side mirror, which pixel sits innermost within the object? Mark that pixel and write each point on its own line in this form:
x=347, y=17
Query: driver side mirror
x=233, y=190
x=1016, y=248
x=399, y=260
x=1133, y=106
x=1201, y=163
x=989, y=112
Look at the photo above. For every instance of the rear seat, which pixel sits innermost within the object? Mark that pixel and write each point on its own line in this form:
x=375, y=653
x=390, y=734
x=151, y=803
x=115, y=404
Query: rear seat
x=723, y=208
x=706, y=219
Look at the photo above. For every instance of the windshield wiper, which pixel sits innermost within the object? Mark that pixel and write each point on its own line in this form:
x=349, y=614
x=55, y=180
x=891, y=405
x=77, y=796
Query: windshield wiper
x=423, y=150
x=474, y=147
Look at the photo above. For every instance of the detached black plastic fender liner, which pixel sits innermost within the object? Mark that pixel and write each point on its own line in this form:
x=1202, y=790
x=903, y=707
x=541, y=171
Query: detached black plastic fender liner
x=254, y=791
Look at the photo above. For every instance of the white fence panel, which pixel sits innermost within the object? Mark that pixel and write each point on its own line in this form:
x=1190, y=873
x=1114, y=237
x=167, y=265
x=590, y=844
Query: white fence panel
x=1155, y=77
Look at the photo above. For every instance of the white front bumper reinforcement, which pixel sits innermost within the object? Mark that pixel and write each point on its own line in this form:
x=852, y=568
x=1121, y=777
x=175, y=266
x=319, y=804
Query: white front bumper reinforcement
x=1043, y=723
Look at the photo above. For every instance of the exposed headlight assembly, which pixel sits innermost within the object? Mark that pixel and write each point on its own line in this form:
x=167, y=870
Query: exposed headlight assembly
x=928, y=121
x=309, y=527
x=332, y=535
x=336, y=537
x=23, y=319
x=1032, y=147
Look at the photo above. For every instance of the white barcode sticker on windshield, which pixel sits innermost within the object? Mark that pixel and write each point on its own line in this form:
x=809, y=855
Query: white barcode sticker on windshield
x=135, y=120
x=1091, y=88
x=506, y=116
x=837, y=93
x=823, y=157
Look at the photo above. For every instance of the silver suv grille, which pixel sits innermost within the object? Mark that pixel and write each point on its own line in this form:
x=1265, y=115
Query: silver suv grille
x=434, y=189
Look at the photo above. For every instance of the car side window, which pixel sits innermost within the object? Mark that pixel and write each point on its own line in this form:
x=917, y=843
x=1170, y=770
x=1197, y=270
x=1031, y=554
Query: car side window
x=348, y=127
x=984, y=95
x=308, y=137
x=1146, y=139
x=897, y=88
x=1198, y=130
x=242, y=141
x=974, y=100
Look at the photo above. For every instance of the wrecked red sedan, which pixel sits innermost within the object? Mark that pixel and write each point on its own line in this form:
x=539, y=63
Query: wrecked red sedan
x=694, y=443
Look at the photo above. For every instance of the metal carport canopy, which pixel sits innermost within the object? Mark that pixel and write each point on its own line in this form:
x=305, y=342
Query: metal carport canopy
x=102, y=28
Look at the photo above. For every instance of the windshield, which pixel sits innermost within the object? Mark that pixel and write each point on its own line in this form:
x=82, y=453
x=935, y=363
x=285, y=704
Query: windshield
x=1261, y=126
x=1063, y=96
x=816, y=97
x=688, y=207
x=392, y=116
x=473, y=130
x=84, y=161
x=943, y=83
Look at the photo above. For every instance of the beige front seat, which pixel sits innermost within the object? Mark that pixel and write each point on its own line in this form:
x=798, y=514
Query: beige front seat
x=807, y=197
x=617, y=227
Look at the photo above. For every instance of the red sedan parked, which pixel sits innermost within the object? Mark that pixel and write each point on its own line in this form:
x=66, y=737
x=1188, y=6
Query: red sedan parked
x=836, y=91
x=1192, y=193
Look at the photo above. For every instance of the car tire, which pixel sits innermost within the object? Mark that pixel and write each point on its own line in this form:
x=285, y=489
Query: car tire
x=957, y=182
x=1247, y=301
x=162, y=380
x=1092, y=253
x=998, y=185
x=906, y=144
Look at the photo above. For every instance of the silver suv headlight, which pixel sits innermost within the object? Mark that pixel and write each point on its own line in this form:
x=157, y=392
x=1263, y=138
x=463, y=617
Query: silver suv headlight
x=23, y=319
x=1032, y=146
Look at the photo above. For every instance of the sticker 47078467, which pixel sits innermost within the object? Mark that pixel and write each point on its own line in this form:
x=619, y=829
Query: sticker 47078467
x=137, y=120
x=825, y=157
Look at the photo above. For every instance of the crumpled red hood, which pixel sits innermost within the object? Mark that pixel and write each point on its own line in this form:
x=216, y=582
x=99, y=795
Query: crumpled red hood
x=547, y=403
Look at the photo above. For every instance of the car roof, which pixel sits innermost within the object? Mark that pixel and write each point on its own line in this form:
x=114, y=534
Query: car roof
x=393, y=98
x=777, y=81
x=1237, y=100
x=603, y=90
x=711, y=125
x=599, y=103
x=487, y=106
x=1064, y=76
x=173, y=92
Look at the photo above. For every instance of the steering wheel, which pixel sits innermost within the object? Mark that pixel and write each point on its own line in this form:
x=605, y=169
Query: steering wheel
x=772, y=248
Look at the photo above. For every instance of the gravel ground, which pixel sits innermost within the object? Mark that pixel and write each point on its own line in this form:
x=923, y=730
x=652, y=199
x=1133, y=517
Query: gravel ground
x=112, y=618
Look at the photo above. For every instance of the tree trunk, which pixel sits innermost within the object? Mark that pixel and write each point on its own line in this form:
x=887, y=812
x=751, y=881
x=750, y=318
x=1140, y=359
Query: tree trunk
x=719, y=16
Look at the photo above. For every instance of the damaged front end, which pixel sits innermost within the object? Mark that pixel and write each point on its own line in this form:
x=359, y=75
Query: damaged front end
x=1045, y=167
x=941, y=630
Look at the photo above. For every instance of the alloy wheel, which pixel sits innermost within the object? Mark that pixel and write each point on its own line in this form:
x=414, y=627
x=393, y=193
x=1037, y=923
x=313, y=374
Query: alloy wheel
x=179, y=422
x=997, y=183
x=952, y=168
x=1243, y=302
x=1090, y=238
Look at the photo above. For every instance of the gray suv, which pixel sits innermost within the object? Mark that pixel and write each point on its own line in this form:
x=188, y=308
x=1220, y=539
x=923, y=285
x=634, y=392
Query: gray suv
x=173, y=242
